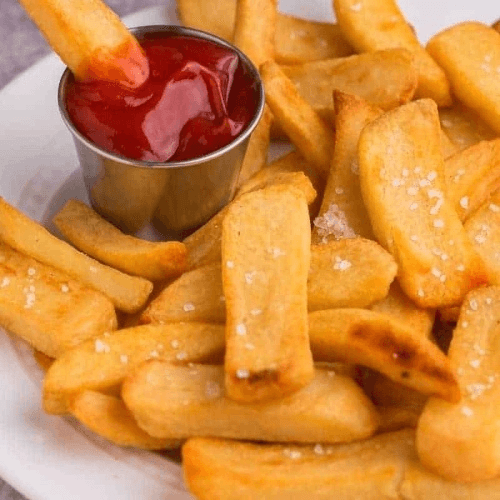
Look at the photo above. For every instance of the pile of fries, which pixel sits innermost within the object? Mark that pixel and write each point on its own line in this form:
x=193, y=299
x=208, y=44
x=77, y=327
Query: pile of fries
x=334, y=331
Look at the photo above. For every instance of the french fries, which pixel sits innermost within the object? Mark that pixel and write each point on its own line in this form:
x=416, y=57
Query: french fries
x=379, y=24
x=469, y=53
x=402, y=183
x=460, y=441
x=91, y=234
x=90, y=39
x=47, y=308
x=266, y=234
x=178, y=402
x=128, y=293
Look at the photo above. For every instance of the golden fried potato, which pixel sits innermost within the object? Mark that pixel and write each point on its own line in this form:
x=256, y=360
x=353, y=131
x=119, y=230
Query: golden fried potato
x=204, y=245
x=108, y=417
x=483, y=228
x=254, y=29
x=471, y=175
x=343, y=213
x=196, y=296
x=372, y=25
x=180, y=402
x=348, y=273
x=266, y=236
x=469, y=53
x=386, y=78
x=128, y=293
x=102, y=363
x=47, y=308
x=301, y=40
x=296, y=40
x=463, y=126
x=92, y=234
x=402, y=183
x=309, y=133
x=382, y=343
x=90, y=39
x=460, y=441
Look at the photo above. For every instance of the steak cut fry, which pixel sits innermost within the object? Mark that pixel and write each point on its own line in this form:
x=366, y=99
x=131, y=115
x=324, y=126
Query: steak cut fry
x=183, y=401
x=90, y=38
x=266, y=240
x=403, y=187
x=128, y=293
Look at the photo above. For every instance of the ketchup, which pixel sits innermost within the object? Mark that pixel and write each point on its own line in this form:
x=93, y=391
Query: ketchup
x=198, y=97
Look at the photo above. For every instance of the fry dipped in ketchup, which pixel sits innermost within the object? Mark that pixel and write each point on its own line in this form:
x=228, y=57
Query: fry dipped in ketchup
x=90, y=39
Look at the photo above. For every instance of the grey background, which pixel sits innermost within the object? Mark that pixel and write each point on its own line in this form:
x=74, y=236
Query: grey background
x=21, y=45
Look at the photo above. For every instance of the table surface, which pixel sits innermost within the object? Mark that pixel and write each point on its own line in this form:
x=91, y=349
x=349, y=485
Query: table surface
x=22, y=46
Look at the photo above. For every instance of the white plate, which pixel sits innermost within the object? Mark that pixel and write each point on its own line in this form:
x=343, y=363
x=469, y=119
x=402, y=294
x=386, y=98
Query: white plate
x=53, y=458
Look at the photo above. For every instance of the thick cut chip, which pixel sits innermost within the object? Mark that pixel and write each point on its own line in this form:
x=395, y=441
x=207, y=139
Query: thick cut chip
x=309, y=133
x=257, y=149
x=348, y=273
x=180, y=402
x=397, y=305
x=90, y=38
x=92, y=234
x=204, y=245
x=108, y=417
x=196, y=296
x=402, y=183
x=382, y=343
x=47, y=308
x=254, y=29
x=371, y=25
x=464, y=127
x=266, y=241
x=469, y=53
x=461, y=441
x=300, y=40
x=387, y=79
x=101, y=364
x=471, y=175
x=128, y=293
x=343, y=213
x=296, y=40
x=483, y=229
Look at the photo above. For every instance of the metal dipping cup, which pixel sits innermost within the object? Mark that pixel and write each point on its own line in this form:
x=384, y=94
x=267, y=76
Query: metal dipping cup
x=177, y=197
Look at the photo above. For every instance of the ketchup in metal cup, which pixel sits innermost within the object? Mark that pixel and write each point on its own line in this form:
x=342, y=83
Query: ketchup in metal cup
x=198, y=97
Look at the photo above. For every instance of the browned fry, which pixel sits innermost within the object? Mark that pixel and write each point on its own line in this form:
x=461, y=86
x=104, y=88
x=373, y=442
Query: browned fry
x=483, y=228
x=180, y=402
x=196, y=296
x=92, y=234
x=101, y=364
x=90, y=38
x=50, y=310
x=266, y=236
x=309, y=133
x=382, y=343
x=379, y=24
x=460, y=441
x=108, y=417
x=300, y=40
x=43, y=361
x=258, y=146
x=254, y=29
x=469, y=53
x=204, y=245
x=472, y=175
x=403, y=187
x=464, y=127
x=128, y=293
x=386, y=78
x=348, y=273
x=343, y=213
